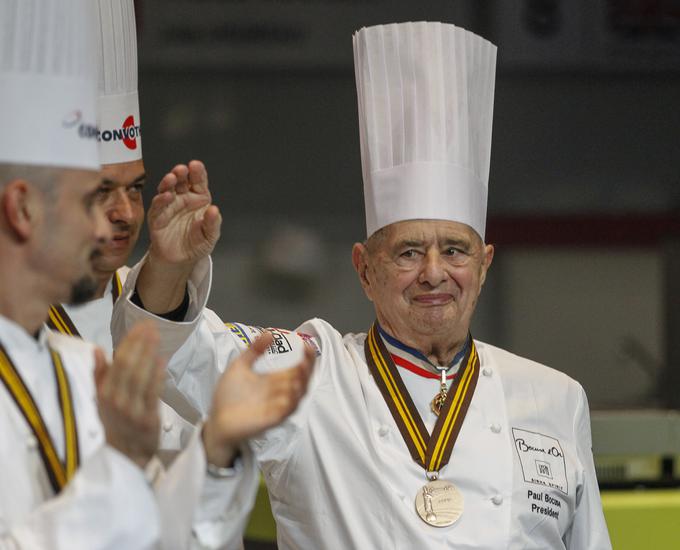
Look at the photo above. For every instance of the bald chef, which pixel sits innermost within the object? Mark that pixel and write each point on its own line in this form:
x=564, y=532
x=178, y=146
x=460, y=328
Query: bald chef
x=414, y=434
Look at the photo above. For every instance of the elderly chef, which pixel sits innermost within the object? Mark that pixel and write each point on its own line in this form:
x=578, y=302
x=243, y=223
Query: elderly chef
x=414, y=434
x=76, y=470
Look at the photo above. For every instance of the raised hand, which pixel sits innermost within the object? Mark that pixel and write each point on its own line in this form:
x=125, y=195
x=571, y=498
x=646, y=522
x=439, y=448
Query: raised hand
x=183, y=224
x=128, y=391
x=246, y=403
x=184, y=227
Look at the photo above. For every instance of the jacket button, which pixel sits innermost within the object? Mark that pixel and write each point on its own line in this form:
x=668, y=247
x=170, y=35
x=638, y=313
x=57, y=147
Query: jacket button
x=486, y=371
x=31, y=442
x=92, y=432
x=495, y=428
x=383, y=431
x=167, y=426
x=497, y=500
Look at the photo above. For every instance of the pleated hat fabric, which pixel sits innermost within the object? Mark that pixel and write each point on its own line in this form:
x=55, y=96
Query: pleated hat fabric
x=120, y=138
x=48, y=83
x=425, y=93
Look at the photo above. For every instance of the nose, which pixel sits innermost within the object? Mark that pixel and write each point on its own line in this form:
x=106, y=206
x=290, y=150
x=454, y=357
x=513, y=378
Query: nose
x=433, y=270
x=119, y=207
x=102, y=226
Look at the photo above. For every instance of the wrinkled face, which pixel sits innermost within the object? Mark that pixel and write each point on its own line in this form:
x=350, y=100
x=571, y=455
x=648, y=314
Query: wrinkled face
x=423, y=277
x=120, y=197
x=70, y=232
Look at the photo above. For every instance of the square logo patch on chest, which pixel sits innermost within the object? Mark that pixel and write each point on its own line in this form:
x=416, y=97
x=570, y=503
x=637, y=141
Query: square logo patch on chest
x=542, y=459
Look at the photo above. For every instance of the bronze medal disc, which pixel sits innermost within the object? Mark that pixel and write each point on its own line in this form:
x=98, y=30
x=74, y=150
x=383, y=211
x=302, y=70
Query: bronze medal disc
x=439, y=503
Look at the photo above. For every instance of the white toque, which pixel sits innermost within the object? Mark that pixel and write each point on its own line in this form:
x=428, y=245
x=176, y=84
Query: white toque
x=119, y=124
x=48, y=83
x=425, y=94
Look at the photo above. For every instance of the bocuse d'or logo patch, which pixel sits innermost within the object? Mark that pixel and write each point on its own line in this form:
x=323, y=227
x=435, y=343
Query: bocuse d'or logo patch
x=127, y=133
x=542, y=459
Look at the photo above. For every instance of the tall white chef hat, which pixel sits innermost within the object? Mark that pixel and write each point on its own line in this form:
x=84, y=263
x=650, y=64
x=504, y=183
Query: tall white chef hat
x=48, y=81
x=120, y=137
x=425, y=93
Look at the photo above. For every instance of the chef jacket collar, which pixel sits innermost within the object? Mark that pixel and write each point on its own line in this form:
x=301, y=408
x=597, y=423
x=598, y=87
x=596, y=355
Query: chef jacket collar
x=412, y=355
x=15, y=336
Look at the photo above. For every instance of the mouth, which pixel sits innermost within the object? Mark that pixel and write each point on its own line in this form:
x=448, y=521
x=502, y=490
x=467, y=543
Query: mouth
x=439, y=299
x=119, y=241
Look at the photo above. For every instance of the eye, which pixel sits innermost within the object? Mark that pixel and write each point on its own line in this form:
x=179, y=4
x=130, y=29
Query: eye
x=408, y=254
x=102, y=193
x=136, y=189
x=452, y=251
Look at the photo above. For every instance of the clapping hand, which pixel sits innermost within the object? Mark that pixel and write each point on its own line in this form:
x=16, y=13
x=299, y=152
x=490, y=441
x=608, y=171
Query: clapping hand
x=246, y=403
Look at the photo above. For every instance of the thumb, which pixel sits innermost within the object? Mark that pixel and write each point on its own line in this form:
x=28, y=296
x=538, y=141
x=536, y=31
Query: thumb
x=211, y=222
x=256, y=349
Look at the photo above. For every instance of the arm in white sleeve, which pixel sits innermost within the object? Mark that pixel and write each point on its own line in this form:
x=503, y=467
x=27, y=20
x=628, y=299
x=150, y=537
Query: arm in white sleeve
x=589, y=529
x=190, y=346
x=108, y=505
x=199, y=511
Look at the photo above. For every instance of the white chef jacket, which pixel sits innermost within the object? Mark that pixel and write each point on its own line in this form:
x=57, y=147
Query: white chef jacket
x=108, y=504
x=224, y=504
x=340, y=475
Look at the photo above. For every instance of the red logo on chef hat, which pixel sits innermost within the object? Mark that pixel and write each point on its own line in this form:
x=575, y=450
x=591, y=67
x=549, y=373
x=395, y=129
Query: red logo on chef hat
x=130, y=141
x=128, y=133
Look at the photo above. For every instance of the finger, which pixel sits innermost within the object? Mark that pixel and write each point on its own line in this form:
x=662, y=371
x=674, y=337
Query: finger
x=198, y=177
x=212, y=222
x=129, y=363
x=143, y=381
x=256, y=349
x=154, y=388
x=168, y=183
x=181, y=172
x=100, y=369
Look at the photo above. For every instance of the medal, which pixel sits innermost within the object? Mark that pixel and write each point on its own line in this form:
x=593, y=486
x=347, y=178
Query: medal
x=439, y=503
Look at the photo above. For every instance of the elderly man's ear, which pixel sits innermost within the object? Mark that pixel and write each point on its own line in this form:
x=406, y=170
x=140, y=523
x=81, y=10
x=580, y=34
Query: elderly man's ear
x=486, y=262
x=360, y=263
x=18, y=208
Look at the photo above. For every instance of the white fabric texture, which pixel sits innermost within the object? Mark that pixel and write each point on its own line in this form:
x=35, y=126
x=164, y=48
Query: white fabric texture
x=118, y=110
x=425, y=96
x=48, y=83
x=339, y=473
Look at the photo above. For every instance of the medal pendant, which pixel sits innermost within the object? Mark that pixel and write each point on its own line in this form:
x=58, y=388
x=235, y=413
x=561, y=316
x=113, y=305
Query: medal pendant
x=439, y=503
x=438, y=401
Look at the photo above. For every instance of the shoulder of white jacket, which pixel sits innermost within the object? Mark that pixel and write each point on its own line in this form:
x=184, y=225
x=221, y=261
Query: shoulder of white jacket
x=325, y=335
x=510, y=364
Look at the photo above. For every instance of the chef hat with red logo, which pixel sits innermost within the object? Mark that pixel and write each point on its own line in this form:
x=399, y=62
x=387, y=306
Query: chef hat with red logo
x=48, y=80
x=120, y=137
x=425, y=93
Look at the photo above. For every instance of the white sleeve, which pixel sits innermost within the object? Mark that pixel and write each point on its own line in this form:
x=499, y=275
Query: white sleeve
x=108, y=505
x=589, y=529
